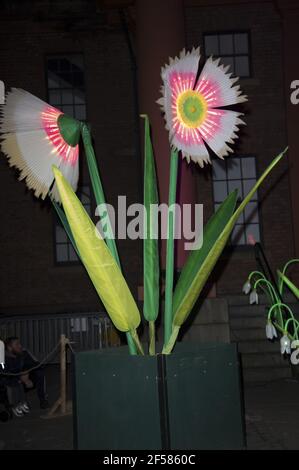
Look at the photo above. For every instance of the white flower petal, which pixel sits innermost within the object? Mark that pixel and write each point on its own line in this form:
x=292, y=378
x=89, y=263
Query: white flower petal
x=208, y=126
x=218, y=86
x=246, y=287
x=285, y=344
x=269, y=332
x=253, y=297
x=32, y=142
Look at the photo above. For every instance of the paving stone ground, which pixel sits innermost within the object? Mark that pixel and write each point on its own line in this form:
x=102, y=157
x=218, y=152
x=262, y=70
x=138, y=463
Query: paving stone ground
x=271, y=412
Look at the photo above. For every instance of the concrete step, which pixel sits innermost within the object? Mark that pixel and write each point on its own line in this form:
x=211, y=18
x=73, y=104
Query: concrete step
x=258, y=360
x=266, y=374
x=254, y=321
x=237, y=300
x=248, y=310
x=239, y=335
x=258, y=346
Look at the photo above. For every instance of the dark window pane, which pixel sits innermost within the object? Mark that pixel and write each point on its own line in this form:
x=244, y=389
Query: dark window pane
x=228, y=61
x=251, y=212
x=72, y=254
x=248, y=167
x=211, y=45
x=248, y=185
x=78, y=79
x=54, y=97
x=235, y=184
x=62, y=253
x=233, y=168
x=67, y=96
x=253, y=230
x=220, y=190
x=61, y=236
x=67, y=109
x=80, y=112
x=242, y=66
x=219, y=169
x=66, y=79
x=238, y=236
x=226, y=44
x=79, y=97
x=241, y=43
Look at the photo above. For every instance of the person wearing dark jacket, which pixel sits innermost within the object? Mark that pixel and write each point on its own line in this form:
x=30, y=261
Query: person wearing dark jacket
x=18, y=360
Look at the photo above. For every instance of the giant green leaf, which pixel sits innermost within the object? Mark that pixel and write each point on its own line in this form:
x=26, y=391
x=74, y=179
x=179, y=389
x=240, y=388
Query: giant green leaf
x=100, y=264
x=187, y=301
x=196, y=258
x=150, y=243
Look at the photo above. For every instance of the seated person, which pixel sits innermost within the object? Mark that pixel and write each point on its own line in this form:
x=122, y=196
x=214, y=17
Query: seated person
x=17, y=360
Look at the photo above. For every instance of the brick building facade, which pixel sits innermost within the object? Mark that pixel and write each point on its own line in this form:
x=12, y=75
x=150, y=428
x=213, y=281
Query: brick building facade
x=31, y=280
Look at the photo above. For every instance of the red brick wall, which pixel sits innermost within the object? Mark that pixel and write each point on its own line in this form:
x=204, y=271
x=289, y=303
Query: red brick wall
x=264, y=135
x=29, y=279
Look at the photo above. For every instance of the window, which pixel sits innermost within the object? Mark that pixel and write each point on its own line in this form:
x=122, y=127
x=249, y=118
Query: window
x=65, y=80
x=238, y=173
x=233, y=48
x=66, y=91
x=64, y=251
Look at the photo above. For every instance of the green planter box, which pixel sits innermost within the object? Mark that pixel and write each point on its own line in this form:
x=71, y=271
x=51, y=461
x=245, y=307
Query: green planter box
x=190, y=399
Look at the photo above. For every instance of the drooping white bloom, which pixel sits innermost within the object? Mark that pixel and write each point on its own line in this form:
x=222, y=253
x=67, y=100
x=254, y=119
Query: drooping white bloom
x=285, y=344
x=246, y=287
x=270, y=330
x=253, y=298
x=33, y=141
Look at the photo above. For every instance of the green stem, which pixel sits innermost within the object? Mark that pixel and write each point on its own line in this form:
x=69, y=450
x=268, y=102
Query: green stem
x=98, y=188
x=273, y=295
x=173, y=337
x=131, y=344
x=100, y=200
x=137, y=342
x=152, y=338
x=279, y=304
x=256, y=273
x=170, y=246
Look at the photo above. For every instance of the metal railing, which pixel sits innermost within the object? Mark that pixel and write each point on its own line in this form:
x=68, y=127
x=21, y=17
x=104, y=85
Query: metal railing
x=40, y=333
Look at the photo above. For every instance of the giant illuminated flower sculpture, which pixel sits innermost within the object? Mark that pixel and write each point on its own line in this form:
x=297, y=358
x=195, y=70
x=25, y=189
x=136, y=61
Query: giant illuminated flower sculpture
x=35, y=136
x=193, y=107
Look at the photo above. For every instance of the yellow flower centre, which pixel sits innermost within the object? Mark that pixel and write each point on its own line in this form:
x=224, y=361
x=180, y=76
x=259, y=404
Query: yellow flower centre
x=191, y=108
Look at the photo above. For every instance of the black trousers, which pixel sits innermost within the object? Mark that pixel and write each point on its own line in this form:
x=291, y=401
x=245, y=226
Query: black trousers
x=16, y=390
x=15, y=393
x=37, y=377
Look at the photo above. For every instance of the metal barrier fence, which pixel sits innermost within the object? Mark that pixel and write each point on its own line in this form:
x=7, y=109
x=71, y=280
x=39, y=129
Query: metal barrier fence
x=40, y=333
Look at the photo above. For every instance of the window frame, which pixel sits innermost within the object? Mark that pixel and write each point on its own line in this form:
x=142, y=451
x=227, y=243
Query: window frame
x=65, y=54
x=55, y=219
x=231, y=32
x=245, y=246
